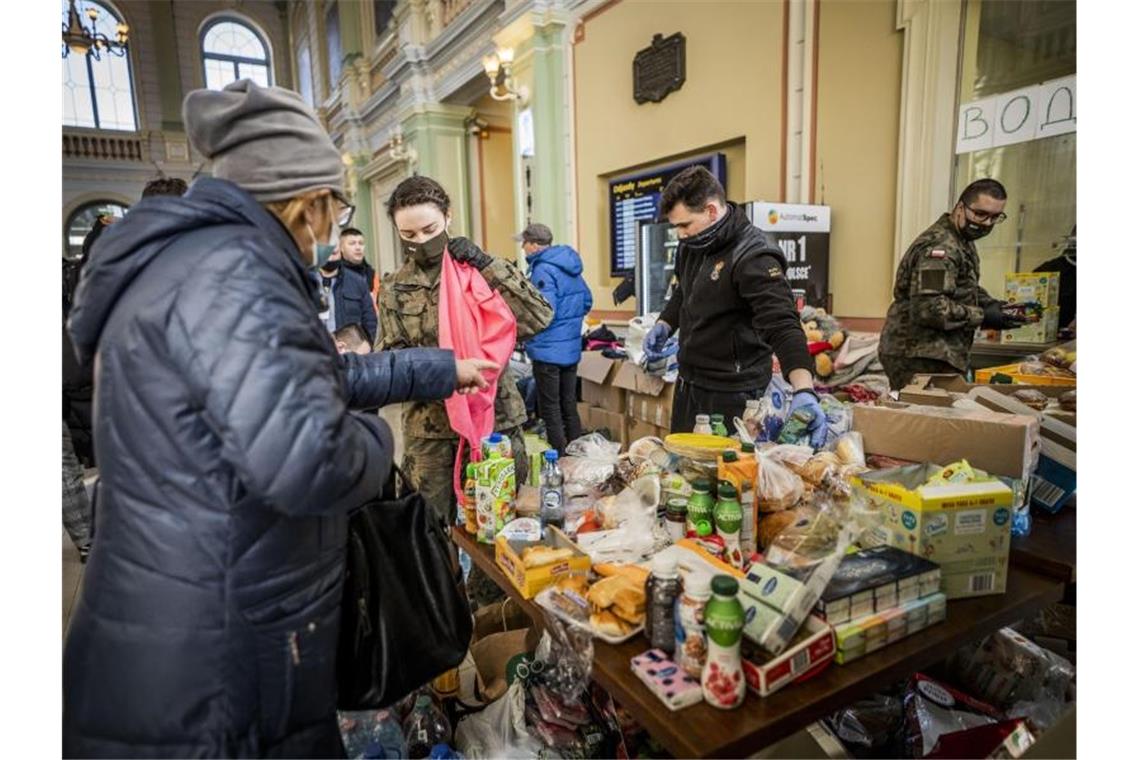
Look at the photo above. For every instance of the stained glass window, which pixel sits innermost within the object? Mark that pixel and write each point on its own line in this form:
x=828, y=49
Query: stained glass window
x=231, y=51
x=98, y=93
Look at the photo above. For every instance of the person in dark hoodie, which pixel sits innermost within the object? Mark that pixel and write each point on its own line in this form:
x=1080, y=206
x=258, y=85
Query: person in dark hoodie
x=556, y=270
x=229, y=460
x=733, y=307
x=352, y=253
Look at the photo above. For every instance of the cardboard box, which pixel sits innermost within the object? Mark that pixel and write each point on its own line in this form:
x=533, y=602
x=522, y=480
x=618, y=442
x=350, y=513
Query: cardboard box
x=963, y=527
x=1042, y=331
x=648, y=397
x=1034, y=287
x=873, y=632
x=597, y=374
x=639, y=429
x=983, y=376
x=999, y=444
x=615, y=422
x=889, y=573
x=944, y=390
x=584, y=414
x=530, y=581
x=810, y=652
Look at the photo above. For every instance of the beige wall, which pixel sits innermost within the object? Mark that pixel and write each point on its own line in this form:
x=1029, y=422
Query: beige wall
x=730, y=101
x=860, y=69
x=498, y=191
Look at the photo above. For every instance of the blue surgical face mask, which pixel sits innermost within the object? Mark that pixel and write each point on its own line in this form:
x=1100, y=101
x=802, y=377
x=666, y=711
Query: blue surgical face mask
x=323, y=251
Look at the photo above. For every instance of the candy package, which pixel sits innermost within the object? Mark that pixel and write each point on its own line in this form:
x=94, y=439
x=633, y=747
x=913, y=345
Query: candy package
x=934, y=710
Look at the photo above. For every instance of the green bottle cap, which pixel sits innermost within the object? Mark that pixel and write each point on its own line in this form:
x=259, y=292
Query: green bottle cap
x=717, y=418
x=726, y=490
x=704, y=528
x=725, y=585
x=471, y=469
x=701, y=484
x=729, y=455
x=748, y=447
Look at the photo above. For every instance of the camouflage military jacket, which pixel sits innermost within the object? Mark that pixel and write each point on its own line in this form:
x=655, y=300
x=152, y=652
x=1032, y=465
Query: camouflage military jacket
x=938, y=302
x=409, y=318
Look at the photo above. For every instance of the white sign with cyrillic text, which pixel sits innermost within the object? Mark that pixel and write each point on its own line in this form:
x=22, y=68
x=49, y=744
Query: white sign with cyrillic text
x=1031, y=113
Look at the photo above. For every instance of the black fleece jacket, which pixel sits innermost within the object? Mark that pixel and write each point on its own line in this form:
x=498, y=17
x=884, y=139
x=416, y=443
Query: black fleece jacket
x=734, y=308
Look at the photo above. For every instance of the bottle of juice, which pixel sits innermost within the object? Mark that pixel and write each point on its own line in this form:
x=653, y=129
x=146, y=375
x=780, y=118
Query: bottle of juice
x=728, y=517
x=739, y=468
x=718, y=428
x=699, y=519
x=722, y=679
x=703, y=425
x=469, y=518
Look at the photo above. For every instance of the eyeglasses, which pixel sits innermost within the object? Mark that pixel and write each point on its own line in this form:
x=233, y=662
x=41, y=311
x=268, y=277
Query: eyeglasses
x=344, y=211
x=982, y=217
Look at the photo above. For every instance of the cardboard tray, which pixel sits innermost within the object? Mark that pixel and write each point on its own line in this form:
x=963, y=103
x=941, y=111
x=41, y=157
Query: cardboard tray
x=530, y=581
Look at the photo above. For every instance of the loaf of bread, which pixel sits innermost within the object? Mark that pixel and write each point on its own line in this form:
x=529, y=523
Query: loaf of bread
x=635, y=573
x=609, y=624
x=537, y=556
x=602, y=594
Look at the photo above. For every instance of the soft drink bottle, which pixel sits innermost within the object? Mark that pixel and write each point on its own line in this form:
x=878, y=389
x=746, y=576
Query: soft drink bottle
x=551, y=511
x=425, y=727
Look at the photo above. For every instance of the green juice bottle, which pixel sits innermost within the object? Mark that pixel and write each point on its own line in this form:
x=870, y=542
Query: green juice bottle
x=722, y=679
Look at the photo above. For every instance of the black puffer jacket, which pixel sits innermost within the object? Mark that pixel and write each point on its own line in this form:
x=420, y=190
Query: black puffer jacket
x=207, y=622
x=734, y=307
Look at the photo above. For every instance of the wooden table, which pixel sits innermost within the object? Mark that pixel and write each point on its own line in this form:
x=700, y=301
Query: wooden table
x=1051, y=546
x=704, y=731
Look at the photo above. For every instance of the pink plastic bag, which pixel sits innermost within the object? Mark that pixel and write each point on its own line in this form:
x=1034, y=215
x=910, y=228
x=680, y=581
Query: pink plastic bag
x=476, y=323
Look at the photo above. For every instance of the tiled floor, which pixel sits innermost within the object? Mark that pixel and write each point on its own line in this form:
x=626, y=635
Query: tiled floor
x=73, y=569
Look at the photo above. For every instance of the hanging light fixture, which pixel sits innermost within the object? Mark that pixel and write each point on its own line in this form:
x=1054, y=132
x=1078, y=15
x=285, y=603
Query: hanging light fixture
x=82, y=40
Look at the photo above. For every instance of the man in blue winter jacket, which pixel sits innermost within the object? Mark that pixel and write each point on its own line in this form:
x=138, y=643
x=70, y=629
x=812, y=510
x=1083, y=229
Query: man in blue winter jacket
x=556, y=270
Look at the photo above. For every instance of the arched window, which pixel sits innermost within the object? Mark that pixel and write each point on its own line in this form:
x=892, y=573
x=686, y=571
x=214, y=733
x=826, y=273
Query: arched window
x=83, y=219
x=233, y=50
x=99, y=92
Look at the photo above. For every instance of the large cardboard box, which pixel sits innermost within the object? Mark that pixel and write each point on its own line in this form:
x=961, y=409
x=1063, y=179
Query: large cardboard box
x=584, y=415
x=648, y=397
x=945, y=389
x=1000, y=444
x=963, y=527
x=597, y=375
x=1042, y=331
x=1037, y=287
x=639, y=429
x=615, y=422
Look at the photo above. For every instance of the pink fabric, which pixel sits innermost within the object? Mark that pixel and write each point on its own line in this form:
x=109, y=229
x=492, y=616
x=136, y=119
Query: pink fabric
x=476, y=323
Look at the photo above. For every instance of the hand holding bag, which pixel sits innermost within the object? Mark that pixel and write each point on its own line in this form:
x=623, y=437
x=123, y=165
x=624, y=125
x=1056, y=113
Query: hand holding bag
x=404, y=616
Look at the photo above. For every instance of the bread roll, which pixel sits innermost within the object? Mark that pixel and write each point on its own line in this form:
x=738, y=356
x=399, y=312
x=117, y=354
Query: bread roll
x=633, y=619
x=607, y=624
x=602, y=593
x=630, y=602
x=635, y=573
x=772, y=525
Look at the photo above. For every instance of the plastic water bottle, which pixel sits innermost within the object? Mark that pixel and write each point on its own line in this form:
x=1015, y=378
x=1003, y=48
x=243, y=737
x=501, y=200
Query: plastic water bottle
x=552, y=512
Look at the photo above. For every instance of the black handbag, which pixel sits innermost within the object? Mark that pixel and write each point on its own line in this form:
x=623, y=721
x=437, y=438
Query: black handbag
x=405, y=618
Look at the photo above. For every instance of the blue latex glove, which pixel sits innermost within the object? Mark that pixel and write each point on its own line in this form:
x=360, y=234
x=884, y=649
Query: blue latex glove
x=806, y=399
x=655, y=339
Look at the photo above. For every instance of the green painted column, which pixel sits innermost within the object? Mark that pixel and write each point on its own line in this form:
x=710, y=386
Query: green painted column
x=166, y=52
x=541, y=66
x=437, y=132
x=362, y=199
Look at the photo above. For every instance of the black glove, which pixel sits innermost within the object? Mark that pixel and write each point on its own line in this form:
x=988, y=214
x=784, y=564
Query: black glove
x=996, y=319
x=466, y=252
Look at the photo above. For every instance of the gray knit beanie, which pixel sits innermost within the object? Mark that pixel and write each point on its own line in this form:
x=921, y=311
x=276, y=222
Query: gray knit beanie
x=266, y=140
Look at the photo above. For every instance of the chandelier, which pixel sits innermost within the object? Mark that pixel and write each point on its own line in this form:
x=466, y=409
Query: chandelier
x=81, y=40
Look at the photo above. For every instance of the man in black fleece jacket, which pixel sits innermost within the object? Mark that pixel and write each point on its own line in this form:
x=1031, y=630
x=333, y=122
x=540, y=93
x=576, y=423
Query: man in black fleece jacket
x=733, y=306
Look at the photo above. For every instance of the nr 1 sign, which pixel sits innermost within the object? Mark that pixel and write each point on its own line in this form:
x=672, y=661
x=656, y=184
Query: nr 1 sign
x=803, y=234
x=1029, y=113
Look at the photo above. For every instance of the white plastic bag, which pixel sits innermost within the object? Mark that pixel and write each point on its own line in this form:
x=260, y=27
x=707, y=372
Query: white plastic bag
x=499, y=730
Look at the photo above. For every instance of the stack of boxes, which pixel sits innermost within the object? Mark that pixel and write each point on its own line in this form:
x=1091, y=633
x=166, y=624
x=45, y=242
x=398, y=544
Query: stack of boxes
x=622, y=398
x=1034, y=287
x=878, y=596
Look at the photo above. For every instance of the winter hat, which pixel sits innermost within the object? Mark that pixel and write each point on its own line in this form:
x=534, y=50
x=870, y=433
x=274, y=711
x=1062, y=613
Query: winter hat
x=266, y=140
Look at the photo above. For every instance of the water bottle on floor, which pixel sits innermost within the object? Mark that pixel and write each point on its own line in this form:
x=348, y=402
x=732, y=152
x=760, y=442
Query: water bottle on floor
x=552, y=511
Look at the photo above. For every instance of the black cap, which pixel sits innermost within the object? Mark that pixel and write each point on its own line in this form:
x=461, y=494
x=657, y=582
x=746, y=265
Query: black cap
x=536, y=233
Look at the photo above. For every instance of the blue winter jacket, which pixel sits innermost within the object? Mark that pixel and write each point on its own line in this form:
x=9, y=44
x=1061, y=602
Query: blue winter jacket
x=207, y=623
x=353, y=302
x=557, y=273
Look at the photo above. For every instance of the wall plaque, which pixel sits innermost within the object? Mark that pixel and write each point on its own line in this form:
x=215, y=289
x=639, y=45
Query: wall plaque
x=659, y=69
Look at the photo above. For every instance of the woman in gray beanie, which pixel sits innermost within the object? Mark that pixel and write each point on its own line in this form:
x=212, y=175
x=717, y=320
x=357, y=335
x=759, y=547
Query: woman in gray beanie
x=207, y=623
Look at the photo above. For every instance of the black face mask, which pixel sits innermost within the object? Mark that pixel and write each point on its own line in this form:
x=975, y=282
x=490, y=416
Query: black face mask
x=331, y=266
x=705, y=237
x=428, y=253
x=974, y=231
